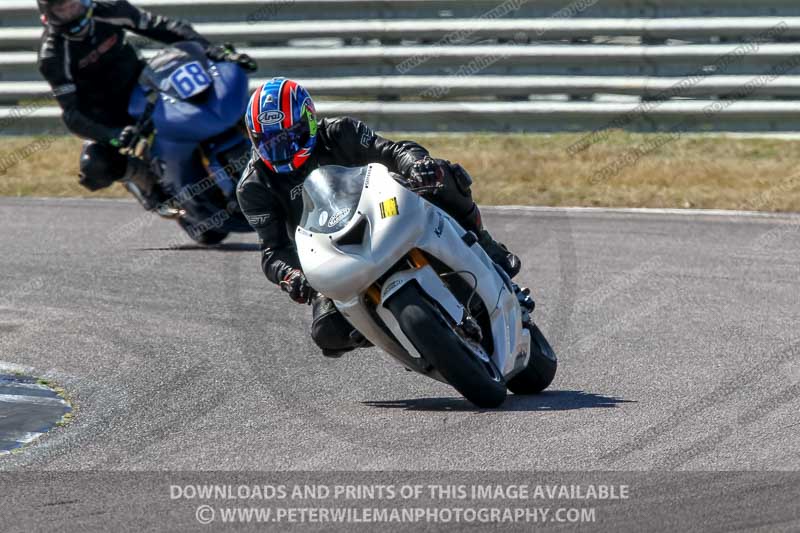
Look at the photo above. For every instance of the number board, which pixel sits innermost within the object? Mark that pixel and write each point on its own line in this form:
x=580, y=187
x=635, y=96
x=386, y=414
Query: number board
x=190, y=79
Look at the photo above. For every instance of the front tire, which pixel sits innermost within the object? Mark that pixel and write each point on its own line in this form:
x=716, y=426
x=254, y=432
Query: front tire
x=435, y=339
x=541, y=369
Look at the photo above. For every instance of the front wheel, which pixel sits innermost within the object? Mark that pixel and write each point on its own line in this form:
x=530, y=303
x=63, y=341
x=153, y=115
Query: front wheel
x=541, y=368
x=458, y=361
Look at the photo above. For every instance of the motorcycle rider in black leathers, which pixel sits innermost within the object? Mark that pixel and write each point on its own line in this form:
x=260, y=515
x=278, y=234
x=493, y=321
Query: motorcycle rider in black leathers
x=289, y=144
x=92, y=70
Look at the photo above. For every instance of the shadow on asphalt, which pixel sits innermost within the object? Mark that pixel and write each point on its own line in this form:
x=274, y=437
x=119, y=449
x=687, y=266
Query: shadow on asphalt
x=224, y=247
x=564, y=400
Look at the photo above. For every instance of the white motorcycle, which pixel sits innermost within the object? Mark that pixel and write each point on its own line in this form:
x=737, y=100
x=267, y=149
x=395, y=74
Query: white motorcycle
x=418, y=286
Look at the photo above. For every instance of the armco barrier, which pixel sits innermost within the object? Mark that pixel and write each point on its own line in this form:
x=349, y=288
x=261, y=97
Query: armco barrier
x=466, y=65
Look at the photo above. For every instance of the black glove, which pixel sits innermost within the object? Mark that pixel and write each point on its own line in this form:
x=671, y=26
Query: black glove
x=226, y=52
x=428, y=173
x=296, y=285
x=131, y=142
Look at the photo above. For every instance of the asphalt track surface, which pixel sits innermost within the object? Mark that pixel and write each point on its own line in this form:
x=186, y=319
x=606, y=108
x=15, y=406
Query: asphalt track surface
x=677, y=335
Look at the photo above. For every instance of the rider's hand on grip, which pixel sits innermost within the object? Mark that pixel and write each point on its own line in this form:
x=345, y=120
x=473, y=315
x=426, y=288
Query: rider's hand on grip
x=296, y=285
x=226, y=52
x=132, y=143
x=126, y=139
x=428, y=173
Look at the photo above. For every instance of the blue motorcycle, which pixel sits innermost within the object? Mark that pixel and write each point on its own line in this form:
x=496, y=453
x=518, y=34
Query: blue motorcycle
x=191, y=108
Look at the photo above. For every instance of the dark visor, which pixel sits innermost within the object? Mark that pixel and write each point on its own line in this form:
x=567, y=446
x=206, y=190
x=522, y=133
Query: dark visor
x=281, y=147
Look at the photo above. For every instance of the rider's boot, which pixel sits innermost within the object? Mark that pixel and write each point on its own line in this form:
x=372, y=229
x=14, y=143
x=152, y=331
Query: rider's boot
x=143, y=184
x=358, y=341
x=150, y=198
x=331, y=331
x=455, y=197
x=497, y=251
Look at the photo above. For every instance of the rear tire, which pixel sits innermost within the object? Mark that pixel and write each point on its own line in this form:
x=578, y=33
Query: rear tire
x=541, y=369
x=206, y=238
x=434, y=338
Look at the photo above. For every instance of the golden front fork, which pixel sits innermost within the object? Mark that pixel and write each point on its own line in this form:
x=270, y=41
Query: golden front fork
x=416, y=257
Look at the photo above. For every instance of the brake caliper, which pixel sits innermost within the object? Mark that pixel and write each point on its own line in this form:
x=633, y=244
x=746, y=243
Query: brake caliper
x=471, y=329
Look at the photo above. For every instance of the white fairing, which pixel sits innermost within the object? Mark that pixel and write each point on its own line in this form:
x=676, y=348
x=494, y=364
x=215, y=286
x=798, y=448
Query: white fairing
x=344, y=272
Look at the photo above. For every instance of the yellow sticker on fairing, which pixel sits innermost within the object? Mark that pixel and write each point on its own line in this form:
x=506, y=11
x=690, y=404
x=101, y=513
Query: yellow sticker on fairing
x=389, y=208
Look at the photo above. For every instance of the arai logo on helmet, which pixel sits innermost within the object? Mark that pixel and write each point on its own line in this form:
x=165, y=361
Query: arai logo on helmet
x=269, y=118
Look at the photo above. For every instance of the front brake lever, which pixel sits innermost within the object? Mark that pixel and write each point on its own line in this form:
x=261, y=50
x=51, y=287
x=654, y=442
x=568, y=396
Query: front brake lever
x=427, y=188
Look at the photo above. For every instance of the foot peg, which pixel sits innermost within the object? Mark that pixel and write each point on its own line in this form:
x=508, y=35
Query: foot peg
x=526, y=303
x=524, y=299
x=167, y=211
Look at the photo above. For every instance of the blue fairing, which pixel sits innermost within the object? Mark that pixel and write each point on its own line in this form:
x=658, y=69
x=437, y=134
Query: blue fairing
x=187, y=121
x=183, y=125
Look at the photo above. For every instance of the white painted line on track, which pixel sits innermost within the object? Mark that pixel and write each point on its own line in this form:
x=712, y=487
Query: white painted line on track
x=39, y=400
x=640, y=211
x=22, y=385
x=24, y=439
x=12, y=368
x=500, y=208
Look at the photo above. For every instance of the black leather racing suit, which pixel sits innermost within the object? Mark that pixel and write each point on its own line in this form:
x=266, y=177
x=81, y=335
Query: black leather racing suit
x=93, y=76
x=273, y=204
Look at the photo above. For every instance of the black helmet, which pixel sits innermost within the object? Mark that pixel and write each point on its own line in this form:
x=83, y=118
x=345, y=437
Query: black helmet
x=66, y=16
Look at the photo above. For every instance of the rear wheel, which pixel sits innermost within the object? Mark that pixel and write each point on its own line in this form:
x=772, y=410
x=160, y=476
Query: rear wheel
x=541, y=369
x=462, y=363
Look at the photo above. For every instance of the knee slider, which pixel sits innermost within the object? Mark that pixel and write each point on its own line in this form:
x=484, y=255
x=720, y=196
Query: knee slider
x=330, y=330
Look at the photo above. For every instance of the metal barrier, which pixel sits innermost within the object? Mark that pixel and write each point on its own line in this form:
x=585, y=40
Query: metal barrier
x=513, y=65
x=433, y=88
x=474, y=29
x=22, y=12
x=674, y=118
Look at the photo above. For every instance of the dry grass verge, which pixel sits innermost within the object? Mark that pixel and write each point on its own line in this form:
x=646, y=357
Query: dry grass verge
x=623, y=170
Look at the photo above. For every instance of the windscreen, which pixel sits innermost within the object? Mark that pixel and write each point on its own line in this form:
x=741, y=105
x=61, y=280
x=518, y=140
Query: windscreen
x=330, y=197
x=179, y=71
